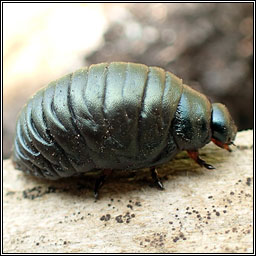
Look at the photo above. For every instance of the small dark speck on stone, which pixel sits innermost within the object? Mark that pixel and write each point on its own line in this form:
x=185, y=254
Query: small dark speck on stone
x=65, y=242
x=138, y=204
x=209, y=197
x=232, y=193
x=133, y=215
x=217, y=213
x=119, y=219
x=224, y=211
x=248, y=181
x=129, y=206
x=105, y=217
x=130, y=201
x=176, y=239
x=187, y=208
x=37, y=243
x=170, y=222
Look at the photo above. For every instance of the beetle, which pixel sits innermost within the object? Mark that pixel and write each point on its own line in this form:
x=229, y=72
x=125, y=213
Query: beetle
x=116, y=116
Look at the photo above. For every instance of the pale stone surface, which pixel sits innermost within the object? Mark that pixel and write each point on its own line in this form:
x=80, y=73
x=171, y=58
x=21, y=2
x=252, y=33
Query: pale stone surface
x=199, y=210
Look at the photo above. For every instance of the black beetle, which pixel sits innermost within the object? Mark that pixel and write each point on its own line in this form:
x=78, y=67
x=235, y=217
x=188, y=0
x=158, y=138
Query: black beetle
x=116, y=116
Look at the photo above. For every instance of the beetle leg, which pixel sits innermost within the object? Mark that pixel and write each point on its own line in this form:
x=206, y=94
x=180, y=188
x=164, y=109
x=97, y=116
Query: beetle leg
x=222, y=145
x=100, y=181
x=156, y=179
x=195, y=156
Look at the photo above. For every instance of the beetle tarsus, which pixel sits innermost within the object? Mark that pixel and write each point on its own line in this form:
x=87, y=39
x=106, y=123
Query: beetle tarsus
x=156, y=179
x=203, y=163
x=100, y=181
x=195, y=156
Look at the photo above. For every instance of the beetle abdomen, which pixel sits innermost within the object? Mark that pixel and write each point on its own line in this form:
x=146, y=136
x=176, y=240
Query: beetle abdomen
x=115, y=116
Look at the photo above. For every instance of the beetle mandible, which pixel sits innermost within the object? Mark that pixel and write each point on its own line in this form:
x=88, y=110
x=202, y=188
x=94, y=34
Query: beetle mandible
x=116, y=116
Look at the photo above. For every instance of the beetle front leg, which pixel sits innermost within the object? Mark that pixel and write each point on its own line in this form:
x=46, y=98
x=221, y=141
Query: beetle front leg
x=100, y=181
x=195, y=156
x=156, y=179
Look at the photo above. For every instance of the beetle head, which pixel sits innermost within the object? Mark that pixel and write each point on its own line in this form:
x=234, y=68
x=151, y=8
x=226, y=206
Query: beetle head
x=223, y=126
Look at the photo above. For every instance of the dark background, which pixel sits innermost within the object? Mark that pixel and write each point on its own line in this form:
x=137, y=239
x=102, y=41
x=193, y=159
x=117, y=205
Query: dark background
x=208, y=45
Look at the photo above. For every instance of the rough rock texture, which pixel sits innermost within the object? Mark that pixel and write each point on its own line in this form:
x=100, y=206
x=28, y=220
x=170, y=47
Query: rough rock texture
x=199, y=210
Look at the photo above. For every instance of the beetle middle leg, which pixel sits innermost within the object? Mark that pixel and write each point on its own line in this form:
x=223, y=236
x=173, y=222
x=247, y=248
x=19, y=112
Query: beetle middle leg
x=195, y=156
x=155, y=178
x=100, y=181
